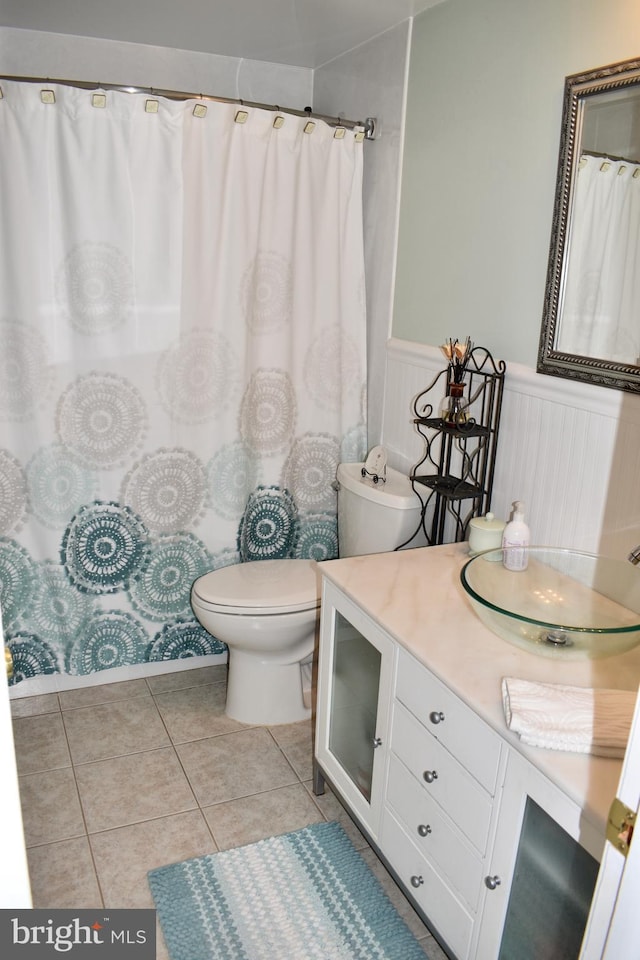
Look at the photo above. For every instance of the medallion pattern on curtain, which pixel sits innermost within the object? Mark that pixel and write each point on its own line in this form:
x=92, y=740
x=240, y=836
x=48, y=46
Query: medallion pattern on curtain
x=182, y=327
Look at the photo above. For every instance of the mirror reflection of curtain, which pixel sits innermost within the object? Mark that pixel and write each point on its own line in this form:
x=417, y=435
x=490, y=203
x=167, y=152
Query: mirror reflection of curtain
x=600, y=312
x=182, y=330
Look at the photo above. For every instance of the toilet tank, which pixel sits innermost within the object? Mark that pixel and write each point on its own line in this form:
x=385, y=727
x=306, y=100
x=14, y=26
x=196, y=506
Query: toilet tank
x=375, y=517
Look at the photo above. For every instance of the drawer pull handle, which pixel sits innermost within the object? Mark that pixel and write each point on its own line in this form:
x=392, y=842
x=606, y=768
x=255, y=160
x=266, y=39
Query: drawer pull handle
x=436, y=716
x=377, y=742
x=424, y=829
x=492, y=882
x=416, y=881
x=430, y=775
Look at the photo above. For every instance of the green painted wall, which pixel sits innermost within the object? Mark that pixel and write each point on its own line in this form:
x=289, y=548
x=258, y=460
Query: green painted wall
x=483, y=125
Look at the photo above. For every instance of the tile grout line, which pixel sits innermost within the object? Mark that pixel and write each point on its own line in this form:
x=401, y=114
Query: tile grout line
x=293, y=769
x=184, y=772
x=82, y=812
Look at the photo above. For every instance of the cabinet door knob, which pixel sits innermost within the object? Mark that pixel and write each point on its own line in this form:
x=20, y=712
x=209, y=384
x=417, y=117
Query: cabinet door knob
x=436, y=716
x=416, y=881
x=377, y=742
x=492, y=882
x=424, y=829
x=430, y=775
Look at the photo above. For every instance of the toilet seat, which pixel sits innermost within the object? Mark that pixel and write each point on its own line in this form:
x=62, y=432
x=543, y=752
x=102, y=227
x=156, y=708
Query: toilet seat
x=260, y=588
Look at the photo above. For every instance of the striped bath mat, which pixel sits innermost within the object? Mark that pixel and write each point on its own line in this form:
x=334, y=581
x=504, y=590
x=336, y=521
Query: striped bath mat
x=300, y=896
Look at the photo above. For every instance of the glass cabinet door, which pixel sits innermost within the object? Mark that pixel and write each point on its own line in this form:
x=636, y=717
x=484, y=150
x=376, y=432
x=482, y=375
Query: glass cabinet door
x=354, y=703
x=355, y=674
x=551, y=892
x=542, y=872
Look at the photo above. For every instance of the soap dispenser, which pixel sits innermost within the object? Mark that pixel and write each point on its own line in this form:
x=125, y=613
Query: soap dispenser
x=515, y=540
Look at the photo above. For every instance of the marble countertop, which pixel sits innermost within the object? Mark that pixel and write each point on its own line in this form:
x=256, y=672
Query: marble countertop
x=416, y=596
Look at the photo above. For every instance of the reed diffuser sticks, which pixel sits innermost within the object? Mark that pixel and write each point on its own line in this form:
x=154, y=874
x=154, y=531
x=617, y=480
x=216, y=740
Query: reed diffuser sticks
x=457, y=355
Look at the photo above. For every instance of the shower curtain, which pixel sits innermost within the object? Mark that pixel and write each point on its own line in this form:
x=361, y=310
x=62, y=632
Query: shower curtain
x=601, y=300
x=182, y=336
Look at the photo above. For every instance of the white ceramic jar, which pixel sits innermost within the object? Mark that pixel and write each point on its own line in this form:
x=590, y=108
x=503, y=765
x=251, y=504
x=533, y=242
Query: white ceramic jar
x=485, y=533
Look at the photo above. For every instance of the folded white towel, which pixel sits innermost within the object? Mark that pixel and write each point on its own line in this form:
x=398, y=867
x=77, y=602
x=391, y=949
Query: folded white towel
x=560, y=717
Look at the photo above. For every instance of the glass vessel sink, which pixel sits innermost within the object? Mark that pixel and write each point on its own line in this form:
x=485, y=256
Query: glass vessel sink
x=566, y=604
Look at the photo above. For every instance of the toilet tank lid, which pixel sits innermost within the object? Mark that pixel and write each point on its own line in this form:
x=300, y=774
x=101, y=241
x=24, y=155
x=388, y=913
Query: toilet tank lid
x=396, y=492
x=262, y=584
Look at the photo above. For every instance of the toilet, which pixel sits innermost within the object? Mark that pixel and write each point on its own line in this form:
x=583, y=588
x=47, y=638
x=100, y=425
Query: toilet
x=267, y=611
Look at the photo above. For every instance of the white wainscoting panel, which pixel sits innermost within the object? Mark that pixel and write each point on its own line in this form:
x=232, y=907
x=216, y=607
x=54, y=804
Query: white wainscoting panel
x=570, y=451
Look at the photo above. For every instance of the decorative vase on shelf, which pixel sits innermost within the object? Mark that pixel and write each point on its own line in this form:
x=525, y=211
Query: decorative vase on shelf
x=454, y=407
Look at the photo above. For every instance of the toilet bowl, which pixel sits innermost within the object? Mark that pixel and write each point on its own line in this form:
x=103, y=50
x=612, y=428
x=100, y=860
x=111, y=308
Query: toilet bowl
x=267, y=611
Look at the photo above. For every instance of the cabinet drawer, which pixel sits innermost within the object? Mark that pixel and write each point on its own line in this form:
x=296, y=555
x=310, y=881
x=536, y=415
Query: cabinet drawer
x=463, y=733
x=444, y=912
x=442, y=845
x=457, y=793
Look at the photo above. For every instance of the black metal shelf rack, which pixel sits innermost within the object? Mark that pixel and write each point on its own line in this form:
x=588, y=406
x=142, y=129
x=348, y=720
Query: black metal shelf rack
x=454, y=478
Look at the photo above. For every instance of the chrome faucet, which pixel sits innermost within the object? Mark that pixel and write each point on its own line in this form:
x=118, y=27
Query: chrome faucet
x=634, y=556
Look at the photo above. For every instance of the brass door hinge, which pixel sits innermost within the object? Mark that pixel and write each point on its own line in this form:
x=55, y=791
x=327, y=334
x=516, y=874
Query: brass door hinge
x=8, y=661
x=620, y=826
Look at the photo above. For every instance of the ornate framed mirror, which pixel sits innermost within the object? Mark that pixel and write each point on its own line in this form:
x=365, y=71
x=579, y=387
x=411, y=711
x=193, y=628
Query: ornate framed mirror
x=591, y=318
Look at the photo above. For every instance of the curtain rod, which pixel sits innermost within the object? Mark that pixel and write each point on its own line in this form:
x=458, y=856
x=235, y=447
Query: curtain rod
x=608, y=156
x=368, y=125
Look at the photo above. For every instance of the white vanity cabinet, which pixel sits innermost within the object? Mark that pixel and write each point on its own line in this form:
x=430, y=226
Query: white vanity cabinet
x=417, y=768
x=497, y=844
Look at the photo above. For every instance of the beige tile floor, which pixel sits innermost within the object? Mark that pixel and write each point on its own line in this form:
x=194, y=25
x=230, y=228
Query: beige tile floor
x=120, y=778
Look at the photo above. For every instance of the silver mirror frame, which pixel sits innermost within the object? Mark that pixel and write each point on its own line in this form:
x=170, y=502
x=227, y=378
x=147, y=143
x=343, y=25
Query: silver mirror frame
x=605, y=373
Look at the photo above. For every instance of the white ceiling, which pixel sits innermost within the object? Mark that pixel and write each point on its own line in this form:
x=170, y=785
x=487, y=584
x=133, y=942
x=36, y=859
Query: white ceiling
x=304, y=33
